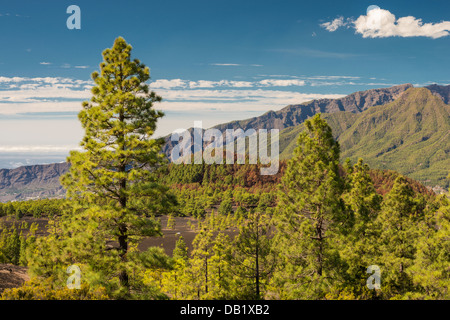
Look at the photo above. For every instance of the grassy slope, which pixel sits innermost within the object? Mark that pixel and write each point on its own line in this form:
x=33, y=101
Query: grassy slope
x=410, y=135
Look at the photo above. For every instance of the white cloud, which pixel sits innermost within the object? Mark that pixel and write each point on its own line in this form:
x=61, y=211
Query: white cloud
x=42, y=94
x=179, y=83
x=235, y=65
x=32, y=106
x=282, y=83
x=202, y=84
x=13, y=79
x=81, y=67
x=226, y=64
x=334, y=24
x=234, y=100
x=38, y=148
x=168, y=84
x=380, y=23
x=45, y=63
x=278, y=76
x=316, y=53
x=45, y=81
x=221, y=83
x=239, y=84
x=20, y=95
x=332, y=77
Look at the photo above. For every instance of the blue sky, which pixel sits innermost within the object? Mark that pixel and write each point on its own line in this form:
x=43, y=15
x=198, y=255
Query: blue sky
x=213, y=61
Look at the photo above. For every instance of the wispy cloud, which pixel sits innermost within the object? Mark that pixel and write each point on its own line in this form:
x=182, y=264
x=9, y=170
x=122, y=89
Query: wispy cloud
x=277, y=76
x=20, y=95
x=38, y=148
x=282, y=83
x=235, y=100
x=235, y=65
x=332, y=77
x=169, y=83
x=226, y=64
x=64, y=65
x=380, y=23
x=45, y=80
x=221, y=83
x=336, y=24
x=42, y=94
x=13, y=15
x=317, y=53
x=179, y=83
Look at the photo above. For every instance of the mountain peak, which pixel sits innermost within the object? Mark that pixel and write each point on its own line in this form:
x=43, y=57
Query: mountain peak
x=442, y=92
x=419, y=98
x=409, y=135
x=30, y=182
x=293, y=115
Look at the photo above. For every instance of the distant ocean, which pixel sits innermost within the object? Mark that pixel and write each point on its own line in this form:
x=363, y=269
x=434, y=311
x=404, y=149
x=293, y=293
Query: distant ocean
x=53, y=146
x=15, y=160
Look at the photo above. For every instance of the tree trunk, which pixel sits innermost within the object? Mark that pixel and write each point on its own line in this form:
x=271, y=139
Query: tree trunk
x=123, y=244
x=320, y=254
x=257, y=262
x=206, y=274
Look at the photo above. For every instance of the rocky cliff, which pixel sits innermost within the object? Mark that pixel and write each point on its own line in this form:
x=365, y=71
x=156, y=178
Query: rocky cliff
x=38, y=181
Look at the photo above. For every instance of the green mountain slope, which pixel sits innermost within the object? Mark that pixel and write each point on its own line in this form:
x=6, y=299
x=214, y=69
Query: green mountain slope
x=339, y=122
x=410, y=135
x=294, y=115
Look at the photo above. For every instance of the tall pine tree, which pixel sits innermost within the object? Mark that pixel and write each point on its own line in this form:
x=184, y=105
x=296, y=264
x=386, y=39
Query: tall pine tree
x=358, y=241
x=431, y=270
x=399, y=220
x=112, y=183
x=309, y=211
x=252, y=258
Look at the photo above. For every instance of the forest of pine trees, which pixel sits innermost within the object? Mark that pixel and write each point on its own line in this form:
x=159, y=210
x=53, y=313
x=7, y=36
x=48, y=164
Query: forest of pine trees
x=309, y=232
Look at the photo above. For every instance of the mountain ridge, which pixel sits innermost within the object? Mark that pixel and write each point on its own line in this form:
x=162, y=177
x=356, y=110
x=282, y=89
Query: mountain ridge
x=442, y=92
x=354, y=102
x=43, y=180
x=293, y=115
x=410, y=135
x=29, y=182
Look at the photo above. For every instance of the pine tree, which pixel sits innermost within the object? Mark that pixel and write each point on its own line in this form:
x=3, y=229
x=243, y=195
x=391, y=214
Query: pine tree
x=181, y=250
x=171, y=222
x=200, y=263
x=13, y=246
x=431, y=270
x=25, y=243
x=225, y=207
x=175, y=282
x=112, y=182
x=399, y=220
x=359, y=241
x=10, y=244
x=252, y=257
x=219, y=275
x=309, y=209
